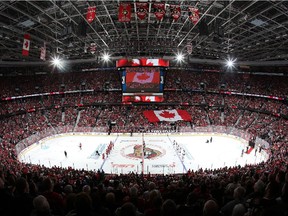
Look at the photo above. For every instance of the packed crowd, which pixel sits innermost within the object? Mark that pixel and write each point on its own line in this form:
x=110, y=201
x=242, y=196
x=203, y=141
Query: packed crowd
x=27, y=189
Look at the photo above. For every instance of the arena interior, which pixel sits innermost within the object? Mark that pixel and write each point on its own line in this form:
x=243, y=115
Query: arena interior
x=145, y=93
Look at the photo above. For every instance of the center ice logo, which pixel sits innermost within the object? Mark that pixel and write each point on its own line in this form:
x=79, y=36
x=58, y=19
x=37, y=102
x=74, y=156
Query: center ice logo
x=138, y=151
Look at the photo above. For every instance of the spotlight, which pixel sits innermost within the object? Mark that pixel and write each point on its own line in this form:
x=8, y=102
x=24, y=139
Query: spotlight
x=179, y=57
x=57, y=62
x=106, y=57
x=230, y=63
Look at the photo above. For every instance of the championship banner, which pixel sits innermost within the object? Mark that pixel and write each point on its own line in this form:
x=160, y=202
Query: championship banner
x=91, y=13
x=167, y=115
x=175, y=11
x=43, y=52
x=189, y=48
x=124, y=14
x=193, y=14
x=26, y=45
x=159, y=10
x=92, y=48
x=142, y=10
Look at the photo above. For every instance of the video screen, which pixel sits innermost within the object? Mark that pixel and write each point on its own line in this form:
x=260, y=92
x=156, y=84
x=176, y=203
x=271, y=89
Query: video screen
x=142, y=98
x=142, y=79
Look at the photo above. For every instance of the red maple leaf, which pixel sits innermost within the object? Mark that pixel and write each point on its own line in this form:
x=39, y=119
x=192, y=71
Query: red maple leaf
x=134, y=63
x=147, y=99
x=143, y=76
x=150, y=64
x=26, y=44
x=167, y=114
x=144, y=62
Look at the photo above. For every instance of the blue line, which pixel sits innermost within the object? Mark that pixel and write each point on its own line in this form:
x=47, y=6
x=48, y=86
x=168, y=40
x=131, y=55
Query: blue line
x=101, y=167
x=178, y=155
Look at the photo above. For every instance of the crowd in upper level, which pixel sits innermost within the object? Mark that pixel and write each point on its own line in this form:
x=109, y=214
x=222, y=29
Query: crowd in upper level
x=98, y=80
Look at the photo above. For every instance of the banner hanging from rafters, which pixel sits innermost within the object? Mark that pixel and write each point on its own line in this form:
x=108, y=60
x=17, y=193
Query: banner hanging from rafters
x=142, y=10
x=189, y=48
x=175, y=11
x=124, y=14
x=159, y=10
x=193, y=14
x=93, y=48
x=43, y=52
x=91, y=14
x=26, y=45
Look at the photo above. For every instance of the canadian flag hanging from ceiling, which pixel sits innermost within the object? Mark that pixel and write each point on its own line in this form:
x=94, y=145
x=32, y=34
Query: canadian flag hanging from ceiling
x=193, y=14
x=175, y=11
x=142, y=9
x=124, y=14
x=26, y=45
x=167, y=115
x=91, y=13
x=159, y=10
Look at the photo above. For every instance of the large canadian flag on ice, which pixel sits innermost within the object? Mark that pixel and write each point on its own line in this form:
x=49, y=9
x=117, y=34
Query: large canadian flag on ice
x=167, y=115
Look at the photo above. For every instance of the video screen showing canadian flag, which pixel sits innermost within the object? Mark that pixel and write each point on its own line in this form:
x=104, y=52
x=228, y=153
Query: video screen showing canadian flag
x=142, y=79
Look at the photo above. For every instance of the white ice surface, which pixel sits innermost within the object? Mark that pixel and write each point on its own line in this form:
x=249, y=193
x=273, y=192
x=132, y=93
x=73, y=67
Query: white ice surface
x=223, y=151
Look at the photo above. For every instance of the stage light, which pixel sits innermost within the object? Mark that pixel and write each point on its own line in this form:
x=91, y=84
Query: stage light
x=106, y=57
x=230, y=63
x=179, y=57
x=57, y=62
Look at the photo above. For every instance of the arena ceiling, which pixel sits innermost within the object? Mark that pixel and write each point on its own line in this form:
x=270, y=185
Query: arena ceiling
x=246, y=30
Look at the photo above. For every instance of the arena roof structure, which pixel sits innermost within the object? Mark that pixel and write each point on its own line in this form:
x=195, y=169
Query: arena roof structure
x=246, y=30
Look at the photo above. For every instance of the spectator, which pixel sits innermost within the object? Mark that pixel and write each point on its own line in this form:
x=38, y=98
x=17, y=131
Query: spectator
x=239, y=194
x=210, y=208
x=168, y=208
x=23, y=201
x=239, y=210
x=41, y=207
x=55, y=200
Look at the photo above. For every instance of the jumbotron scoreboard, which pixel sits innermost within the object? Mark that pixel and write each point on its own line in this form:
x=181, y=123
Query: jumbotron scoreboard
x=142, y=79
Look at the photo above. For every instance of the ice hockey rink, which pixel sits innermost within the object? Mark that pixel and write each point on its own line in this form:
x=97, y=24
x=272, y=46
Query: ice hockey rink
x=164, y=154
